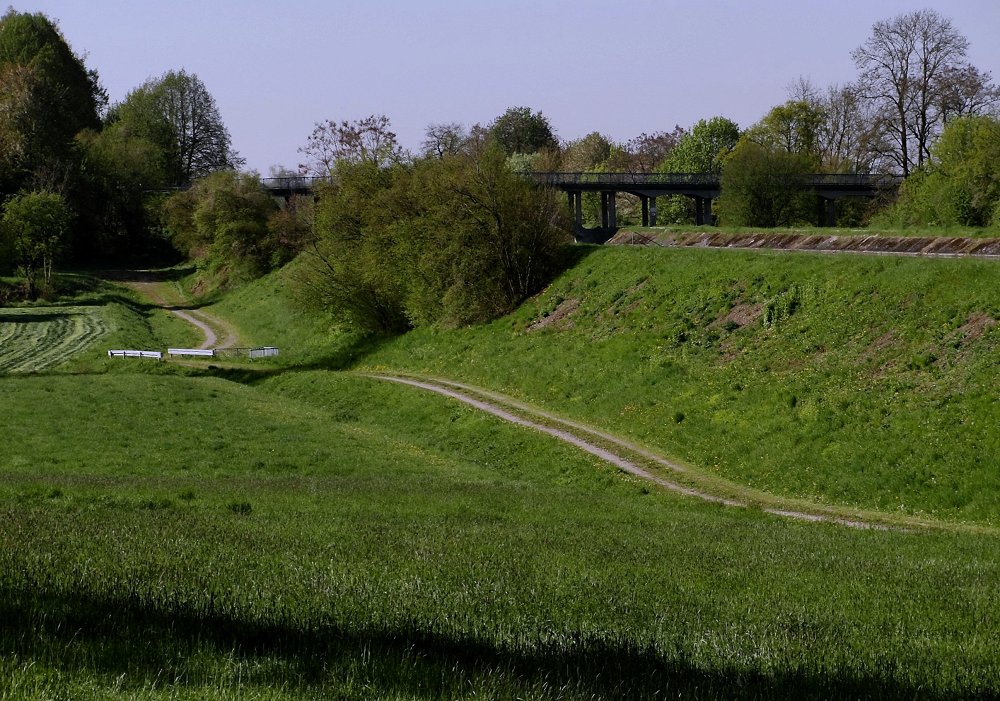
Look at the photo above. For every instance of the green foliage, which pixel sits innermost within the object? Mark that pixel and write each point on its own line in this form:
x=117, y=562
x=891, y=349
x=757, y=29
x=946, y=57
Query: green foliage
x=452, y=241
x=703, y=149
x=764, y=186
x=223, y=220
x=877, y=422
x=178, y=114
x=519, y=130
x=587, y=153
x=46, y=96
x=961, y=187
x=794, y=127
x=36, y=225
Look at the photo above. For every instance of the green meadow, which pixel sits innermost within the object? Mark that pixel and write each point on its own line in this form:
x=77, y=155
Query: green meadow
x=293, y=529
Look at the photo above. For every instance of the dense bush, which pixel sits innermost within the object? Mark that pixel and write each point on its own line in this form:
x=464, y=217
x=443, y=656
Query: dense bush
x=961, y=187
x=440, y=241
x=223, y=221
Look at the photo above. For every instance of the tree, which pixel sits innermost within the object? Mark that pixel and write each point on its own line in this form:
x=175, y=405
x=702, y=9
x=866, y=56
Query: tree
x=116, y=170
x=177, y=113
x=962, y=185
x=905, y=67
x=368, y=140
x=519, y=130
x=704, y=148
x=438, y=241
x=223, y=219
x=764, y=186
x=793, y=127
x=444, y=139
x=36, y=226
x=647, y=151
x=586, y=153
x=47, y=96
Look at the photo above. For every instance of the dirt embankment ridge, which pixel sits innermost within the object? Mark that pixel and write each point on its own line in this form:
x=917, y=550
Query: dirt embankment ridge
x=945, y=246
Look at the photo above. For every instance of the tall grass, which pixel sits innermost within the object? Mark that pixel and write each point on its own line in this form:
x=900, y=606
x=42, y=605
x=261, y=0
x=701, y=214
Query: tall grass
x=320, y=535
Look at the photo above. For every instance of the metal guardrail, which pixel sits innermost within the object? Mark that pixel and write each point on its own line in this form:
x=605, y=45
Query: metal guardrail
x=294, y=182
x=864, y=181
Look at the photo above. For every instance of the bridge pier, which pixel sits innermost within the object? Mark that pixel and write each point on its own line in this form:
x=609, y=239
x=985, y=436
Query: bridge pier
x=609, y=213
x=830, y=211
x=648, y=209
x=703, y=211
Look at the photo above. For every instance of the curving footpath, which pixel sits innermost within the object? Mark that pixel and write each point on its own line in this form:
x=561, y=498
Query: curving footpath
x=568, y=431
x=516, y=412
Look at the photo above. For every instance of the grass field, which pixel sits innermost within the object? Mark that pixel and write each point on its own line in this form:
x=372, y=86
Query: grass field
x=330, y=536
x=33, y=339
x=860, y=381
x=291, y=531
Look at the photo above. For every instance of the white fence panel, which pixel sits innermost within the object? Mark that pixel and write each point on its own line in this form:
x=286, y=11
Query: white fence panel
x=265, y=352
x=199, y=352
x=154, y=355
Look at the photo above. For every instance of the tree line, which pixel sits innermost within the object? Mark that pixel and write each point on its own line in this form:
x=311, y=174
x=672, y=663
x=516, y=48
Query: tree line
x=451, y=234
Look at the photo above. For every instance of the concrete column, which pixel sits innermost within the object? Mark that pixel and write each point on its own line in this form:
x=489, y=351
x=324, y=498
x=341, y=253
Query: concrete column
x=699, y=210
x=709, y=217
x=831, y=212
x=578, y=209
x=612, y=211
x=645, y=209
x=604, y=210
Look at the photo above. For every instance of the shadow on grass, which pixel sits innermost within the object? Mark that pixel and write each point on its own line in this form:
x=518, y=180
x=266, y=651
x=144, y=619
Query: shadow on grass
x=14, y=318
x=88, y=636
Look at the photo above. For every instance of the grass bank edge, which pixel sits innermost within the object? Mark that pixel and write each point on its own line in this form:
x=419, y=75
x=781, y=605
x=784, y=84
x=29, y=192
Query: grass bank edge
x=684, y=474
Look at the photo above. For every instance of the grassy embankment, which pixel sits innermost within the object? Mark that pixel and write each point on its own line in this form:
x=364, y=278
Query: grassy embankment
x=308, y=533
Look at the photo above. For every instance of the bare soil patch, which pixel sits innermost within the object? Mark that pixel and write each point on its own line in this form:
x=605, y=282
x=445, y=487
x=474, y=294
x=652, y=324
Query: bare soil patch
x=559, y=317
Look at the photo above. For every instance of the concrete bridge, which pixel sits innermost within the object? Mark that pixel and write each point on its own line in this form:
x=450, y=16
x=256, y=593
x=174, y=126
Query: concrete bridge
x=701, y=187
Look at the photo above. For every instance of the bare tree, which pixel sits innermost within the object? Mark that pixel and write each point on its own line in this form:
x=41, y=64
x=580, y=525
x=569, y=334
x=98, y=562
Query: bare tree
x=444, y=139
x=367, y=140
x=648, y=151
x=902, y=64
x=965, y=90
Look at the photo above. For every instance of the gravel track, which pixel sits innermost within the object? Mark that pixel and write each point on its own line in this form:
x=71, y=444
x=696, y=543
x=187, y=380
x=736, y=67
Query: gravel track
x=568, y=431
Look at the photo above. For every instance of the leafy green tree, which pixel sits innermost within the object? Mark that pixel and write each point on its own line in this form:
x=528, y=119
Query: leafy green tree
x=223, y=220
x=47, y=96
x=36, y=226
x=764, y=186
x=794, y=127
x=586, y=153
x=704, y=148
x=354, y=269
x=178, y=114
x=519, y=130
x=962, y=186
x=440, y=241
x=116, y=170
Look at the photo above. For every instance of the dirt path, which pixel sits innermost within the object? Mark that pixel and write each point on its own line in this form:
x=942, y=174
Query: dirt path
x=513, y=411
x=210, y=326
x=568, y=431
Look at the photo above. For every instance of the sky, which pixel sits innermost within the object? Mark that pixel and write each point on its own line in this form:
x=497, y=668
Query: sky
x=621, y=68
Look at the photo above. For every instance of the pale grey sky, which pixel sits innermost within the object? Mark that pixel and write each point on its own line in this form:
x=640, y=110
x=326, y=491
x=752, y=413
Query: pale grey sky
x=621, y=68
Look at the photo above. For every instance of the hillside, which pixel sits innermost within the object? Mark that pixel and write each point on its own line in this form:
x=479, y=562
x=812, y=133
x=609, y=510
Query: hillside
x=860, y=381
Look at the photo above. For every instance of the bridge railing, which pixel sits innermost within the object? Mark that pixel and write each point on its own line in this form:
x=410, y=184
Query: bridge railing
x=294, y=182
x=620, y=179
x=863, y=181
